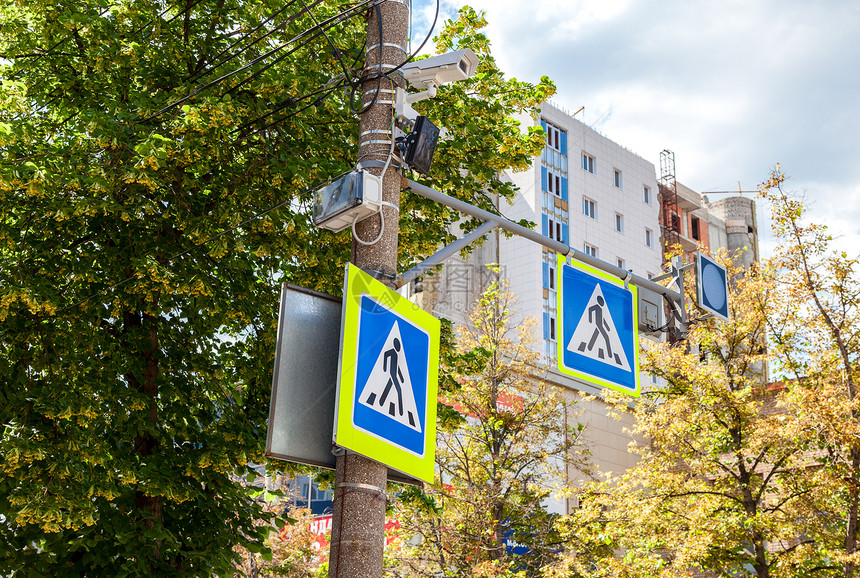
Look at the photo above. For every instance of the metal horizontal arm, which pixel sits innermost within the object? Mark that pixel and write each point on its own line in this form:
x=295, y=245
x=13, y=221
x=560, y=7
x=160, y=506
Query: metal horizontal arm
x=442, y=254
x=553, y=245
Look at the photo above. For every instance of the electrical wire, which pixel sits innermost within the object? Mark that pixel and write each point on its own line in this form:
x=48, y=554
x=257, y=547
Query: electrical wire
x=325, y=92
x=316, y=32
x=337, y=18
x=331, y=21
x=379, y=73
x=378, y=237
x=381, y=216
x=346, y=71
x=317, y=29
x=417, y=50
x=379, y=76
x=215, y=64
x=325, y=89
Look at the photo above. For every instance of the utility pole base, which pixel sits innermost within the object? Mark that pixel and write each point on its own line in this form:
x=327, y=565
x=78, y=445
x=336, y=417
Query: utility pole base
x=357, y=543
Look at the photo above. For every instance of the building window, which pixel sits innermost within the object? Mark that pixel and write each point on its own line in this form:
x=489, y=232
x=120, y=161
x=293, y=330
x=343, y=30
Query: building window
x=649, y=238
x=549, y=271
x=694, y=228
x=549, y=330
x=554, y=230
x=590, y=250
x=618, y=182
x=589, y=208
x=589, y=163
x=553, y=183
x=553, y=137
x=620, y=263
x=646, y=195
x=619, y=222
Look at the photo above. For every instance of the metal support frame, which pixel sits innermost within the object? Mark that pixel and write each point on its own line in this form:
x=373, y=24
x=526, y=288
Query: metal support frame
x=444, y=253
x=678, y=309
x=675, y=299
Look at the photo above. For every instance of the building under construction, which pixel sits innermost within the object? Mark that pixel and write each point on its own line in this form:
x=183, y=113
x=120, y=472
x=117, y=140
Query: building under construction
x=691, y=222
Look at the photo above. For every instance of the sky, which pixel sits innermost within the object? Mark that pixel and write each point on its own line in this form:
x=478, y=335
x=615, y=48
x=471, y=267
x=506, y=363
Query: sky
x=731, y=87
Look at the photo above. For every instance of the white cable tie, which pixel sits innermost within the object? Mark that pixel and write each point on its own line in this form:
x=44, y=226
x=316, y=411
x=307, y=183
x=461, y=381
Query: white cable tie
x=627, y=277
x=384, y=131
x=386, y=44
x=390, y=206
x=359, y=486
x=376, y=101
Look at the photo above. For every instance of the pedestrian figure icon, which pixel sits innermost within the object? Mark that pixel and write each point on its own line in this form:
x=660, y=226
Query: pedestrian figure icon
x=595, y=336
x=388, y=389
x=601, y=329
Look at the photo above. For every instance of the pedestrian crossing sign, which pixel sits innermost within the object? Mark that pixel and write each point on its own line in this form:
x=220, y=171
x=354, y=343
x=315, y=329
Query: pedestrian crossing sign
x=598, y=327
x=388, y=377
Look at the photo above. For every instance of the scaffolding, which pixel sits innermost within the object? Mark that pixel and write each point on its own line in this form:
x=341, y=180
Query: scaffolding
x=670, y=219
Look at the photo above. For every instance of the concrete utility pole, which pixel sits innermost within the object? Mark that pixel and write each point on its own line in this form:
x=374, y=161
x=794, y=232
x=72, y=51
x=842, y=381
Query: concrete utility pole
x=358, y=521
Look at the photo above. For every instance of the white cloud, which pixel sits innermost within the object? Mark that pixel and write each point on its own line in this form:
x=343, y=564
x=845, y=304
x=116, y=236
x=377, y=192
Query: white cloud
x=731, y=87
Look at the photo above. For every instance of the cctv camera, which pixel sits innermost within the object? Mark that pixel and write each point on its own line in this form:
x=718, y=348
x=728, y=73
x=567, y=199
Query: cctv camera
x=442, y=69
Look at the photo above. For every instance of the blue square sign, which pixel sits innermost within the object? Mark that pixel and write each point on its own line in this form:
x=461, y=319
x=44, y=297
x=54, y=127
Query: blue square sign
x=388, y=377
x=712, y=286
x=598, y=339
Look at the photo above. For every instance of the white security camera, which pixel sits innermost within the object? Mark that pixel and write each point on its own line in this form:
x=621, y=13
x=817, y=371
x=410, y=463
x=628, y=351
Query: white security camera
x=442, y=69
x=429, y=73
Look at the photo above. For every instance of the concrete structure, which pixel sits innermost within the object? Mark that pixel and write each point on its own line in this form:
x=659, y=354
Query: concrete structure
x=698, y=223
x=593, y=194
x=737, y=218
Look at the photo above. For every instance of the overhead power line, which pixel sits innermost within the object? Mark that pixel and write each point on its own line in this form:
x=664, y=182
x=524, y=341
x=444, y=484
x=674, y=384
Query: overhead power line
x=291, y=101
x=337, y=18
x=215, y=60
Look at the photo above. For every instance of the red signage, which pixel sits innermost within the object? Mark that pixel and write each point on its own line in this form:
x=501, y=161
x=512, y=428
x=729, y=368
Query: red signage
x=506, y=402
x=320, y=529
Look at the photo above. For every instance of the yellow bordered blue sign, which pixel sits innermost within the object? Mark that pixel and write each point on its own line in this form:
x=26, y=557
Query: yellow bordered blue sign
x=598, y=327
x=387, y=377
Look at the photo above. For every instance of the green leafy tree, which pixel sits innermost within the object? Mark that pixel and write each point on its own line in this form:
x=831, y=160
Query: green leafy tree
x=156, y=164
x=721, y=484
x=292, y=551
x=496, y=464
x=816, y=336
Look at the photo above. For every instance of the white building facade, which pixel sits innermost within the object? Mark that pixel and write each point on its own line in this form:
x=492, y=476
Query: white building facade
x=590, y=193
x=594, y=195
